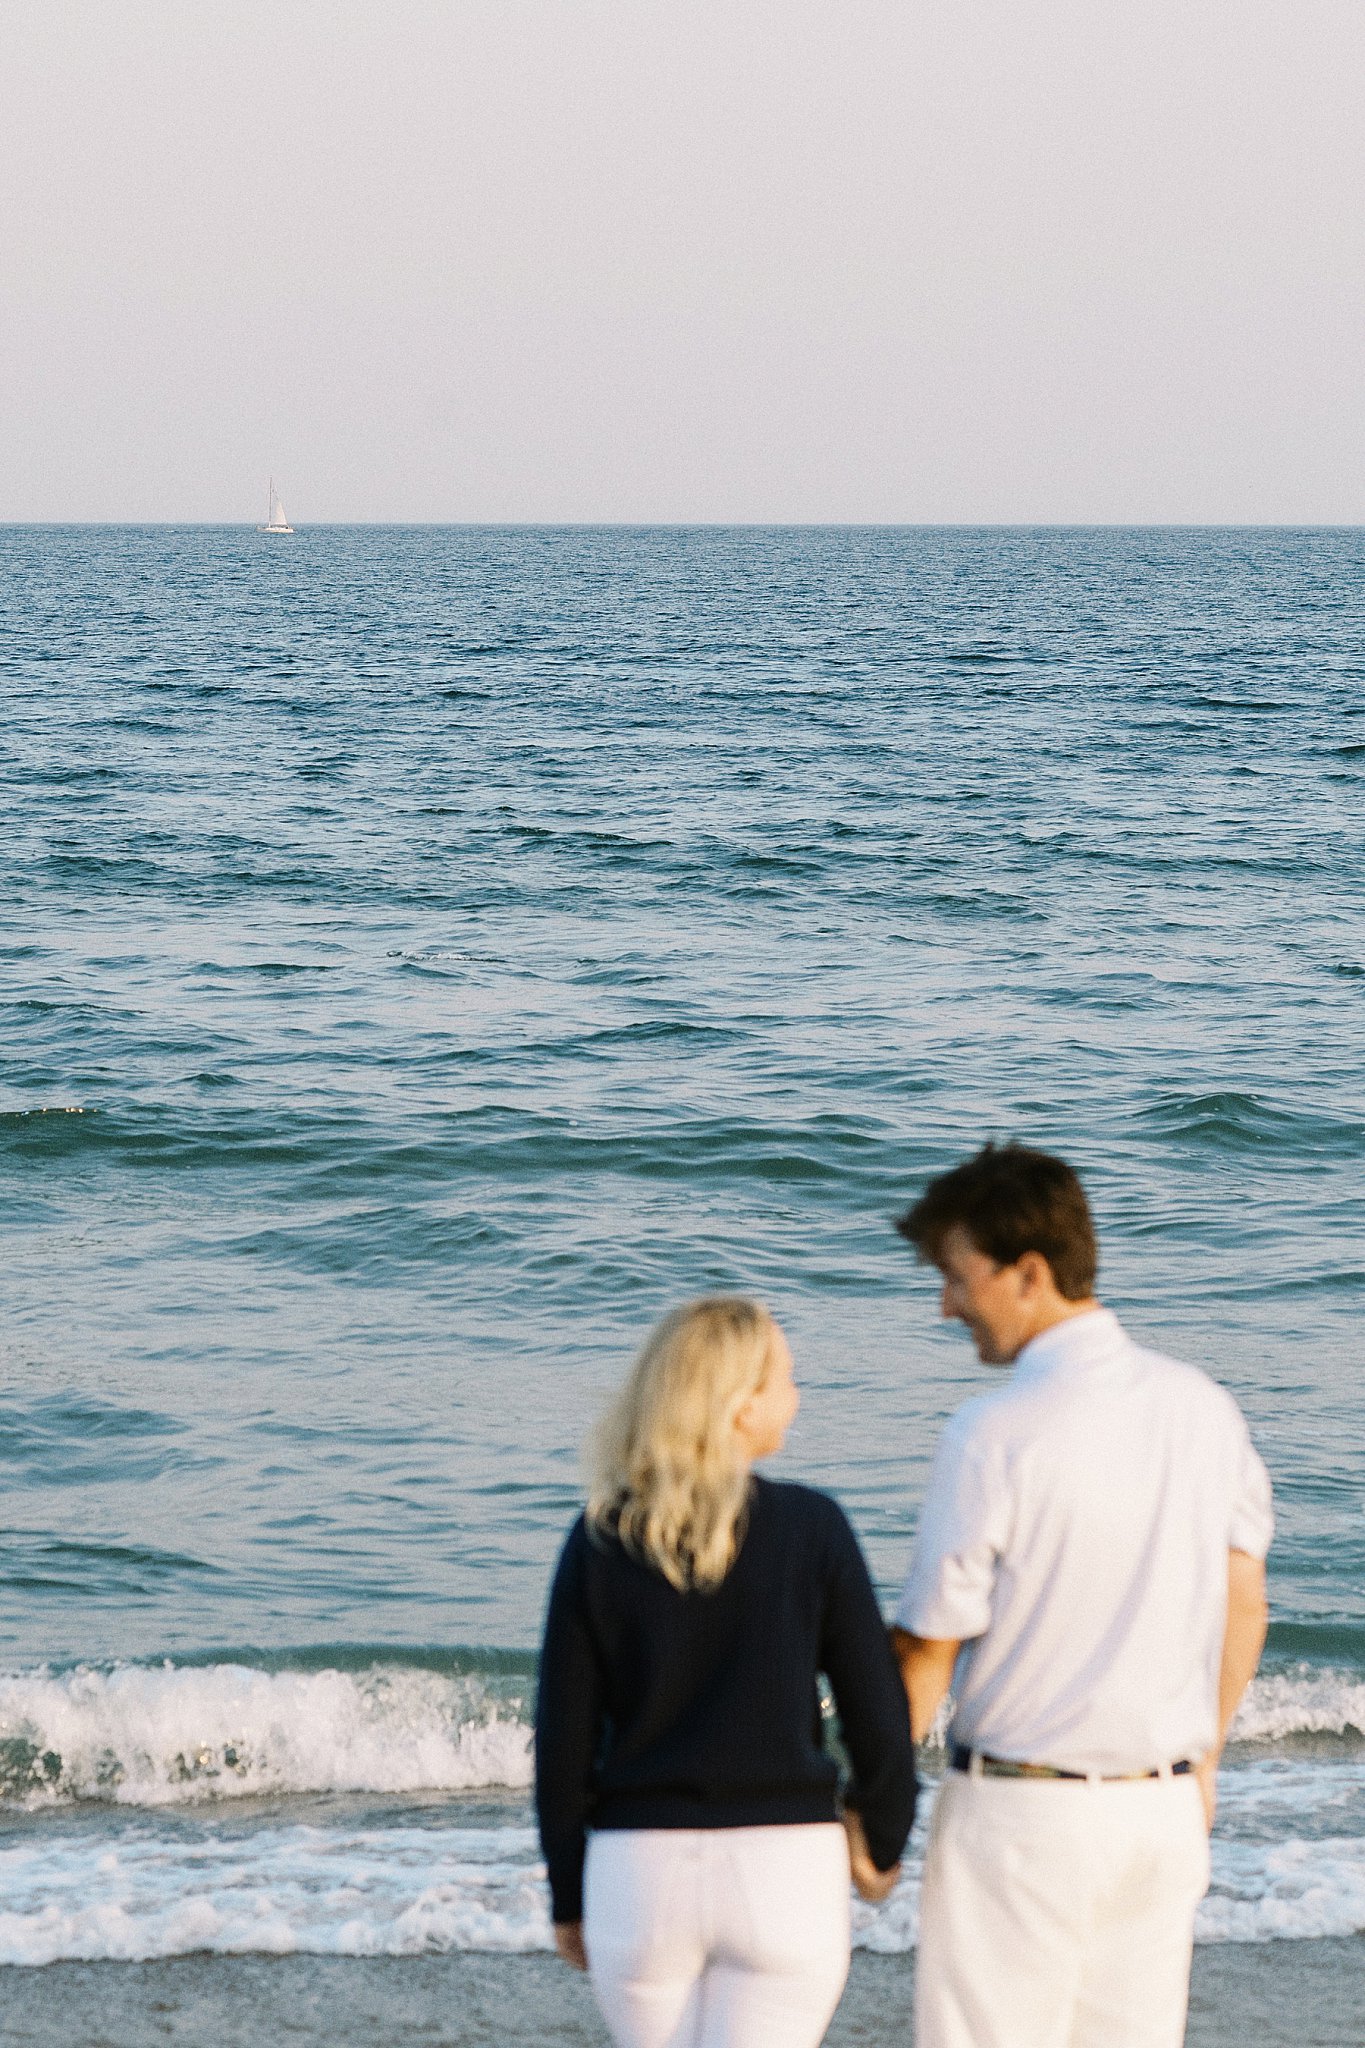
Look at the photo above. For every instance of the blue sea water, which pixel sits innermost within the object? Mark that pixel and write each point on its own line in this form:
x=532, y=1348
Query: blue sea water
x=428, y=953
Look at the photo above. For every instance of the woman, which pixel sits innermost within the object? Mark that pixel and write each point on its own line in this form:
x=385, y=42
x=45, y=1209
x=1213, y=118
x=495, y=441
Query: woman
x=679, y=1752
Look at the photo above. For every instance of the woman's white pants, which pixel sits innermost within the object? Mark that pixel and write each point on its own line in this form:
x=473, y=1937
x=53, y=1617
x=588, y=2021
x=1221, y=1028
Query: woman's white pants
x=718, y=1937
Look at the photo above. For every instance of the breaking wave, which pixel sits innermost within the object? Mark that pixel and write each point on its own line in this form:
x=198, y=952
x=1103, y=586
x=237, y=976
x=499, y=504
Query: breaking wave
x=169, y=1735
x=176, y=1735
x=1303, y=1701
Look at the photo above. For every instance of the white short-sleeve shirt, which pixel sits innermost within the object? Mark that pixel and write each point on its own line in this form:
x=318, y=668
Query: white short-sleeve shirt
x=1076, y=1534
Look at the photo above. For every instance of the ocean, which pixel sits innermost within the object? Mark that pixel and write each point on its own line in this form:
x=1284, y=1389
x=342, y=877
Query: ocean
x=429, y=953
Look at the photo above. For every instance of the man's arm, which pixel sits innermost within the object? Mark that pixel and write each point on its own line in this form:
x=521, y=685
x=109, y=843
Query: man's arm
x=1243, y=1641
x=927, y=1671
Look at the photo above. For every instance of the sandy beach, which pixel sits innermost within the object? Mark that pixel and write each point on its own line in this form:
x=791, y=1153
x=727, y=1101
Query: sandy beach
x=1281, y=1994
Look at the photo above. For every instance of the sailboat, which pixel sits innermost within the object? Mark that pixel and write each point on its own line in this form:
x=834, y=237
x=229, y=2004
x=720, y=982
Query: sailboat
x=275, y=517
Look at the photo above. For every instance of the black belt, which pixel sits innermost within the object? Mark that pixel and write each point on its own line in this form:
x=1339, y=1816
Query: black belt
x=961, y=1759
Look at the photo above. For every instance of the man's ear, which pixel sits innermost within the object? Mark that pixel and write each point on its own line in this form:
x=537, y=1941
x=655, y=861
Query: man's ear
x=1035, y=1273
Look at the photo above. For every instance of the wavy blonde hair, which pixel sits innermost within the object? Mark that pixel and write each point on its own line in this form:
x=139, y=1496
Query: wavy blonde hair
x=668, y=1477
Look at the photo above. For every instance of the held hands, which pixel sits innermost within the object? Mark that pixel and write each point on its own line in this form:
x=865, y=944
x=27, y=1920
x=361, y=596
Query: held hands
x=569, y=1942
x=1206, y=1771
x=870, y=1883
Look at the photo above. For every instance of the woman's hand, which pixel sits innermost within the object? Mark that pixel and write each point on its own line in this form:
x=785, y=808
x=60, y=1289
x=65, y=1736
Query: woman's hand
x=870, y=1883
x=569, y=1942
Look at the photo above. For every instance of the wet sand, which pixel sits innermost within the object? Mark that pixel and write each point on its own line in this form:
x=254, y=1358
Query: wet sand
x=1288, y=1994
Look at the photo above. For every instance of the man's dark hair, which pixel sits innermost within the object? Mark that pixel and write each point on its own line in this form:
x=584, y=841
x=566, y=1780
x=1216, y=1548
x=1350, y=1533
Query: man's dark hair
x=1011, y=1200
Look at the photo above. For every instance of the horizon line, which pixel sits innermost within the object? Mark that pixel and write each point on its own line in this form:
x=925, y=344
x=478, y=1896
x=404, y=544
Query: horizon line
x=723, y=525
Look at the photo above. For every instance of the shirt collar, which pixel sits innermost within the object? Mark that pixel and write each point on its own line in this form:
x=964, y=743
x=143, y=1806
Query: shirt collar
x=1080, y=1340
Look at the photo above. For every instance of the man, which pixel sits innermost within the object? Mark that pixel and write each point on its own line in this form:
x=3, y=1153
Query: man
x=1090, y=1562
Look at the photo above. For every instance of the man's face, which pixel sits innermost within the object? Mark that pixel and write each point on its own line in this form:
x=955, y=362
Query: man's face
x=998, y=1304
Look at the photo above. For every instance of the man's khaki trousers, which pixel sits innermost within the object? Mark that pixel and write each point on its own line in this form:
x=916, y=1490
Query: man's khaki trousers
x=1059, y=1915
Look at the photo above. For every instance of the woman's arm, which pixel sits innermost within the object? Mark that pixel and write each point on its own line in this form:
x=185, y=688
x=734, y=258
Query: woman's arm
x=857, y=1656
x=569, y=1708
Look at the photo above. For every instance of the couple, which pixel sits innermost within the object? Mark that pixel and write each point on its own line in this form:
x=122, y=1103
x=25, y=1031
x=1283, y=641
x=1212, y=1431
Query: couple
x=1088, y=1577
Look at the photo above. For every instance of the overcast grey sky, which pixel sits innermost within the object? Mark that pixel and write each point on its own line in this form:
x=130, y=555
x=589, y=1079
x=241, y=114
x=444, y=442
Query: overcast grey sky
x=683, y=259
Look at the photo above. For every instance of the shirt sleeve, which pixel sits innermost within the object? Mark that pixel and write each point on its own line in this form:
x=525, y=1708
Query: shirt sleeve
x=1253, y=1515
x=569, y=1710
x=947, y=1595
x=856, y=1656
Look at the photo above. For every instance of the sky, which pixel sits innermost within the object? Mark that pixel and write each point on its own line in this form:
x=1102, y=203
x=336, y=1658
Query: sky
x=677, y=260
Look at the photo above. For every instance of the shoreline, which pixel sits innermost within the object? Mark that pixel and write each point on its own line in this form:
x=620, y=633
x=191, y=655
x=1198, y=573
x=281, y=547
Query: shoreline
x=1279, y=1994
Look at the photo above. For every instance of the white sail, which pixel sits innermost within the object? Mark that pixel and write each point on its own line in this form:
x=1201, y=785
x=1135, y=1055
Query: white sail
x=276, y=519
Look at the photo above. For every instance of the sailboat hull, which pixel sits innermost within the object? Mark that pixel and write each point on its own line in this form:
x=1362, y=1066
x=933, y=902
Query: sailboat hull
x=274, y=529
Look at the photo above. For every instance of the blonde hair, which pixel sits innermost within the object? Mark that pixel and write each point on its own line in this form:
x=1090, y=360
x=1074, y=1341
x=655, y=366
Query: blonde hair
x=669, y=1479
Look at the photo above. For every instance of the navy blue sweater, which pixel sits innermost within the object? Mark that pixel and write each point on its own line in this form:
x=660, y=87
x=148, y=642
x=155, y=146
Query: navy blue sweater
x=661, y=1709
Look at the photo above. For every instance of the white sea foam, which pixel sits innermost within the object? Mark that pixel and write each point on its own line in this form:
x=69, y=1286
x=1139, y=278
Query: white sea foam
x=141, y=1736
x=162, y=1735
x=1285, y=1891
x=137, y=1887
x=273, y=1890
x=1301, y=1702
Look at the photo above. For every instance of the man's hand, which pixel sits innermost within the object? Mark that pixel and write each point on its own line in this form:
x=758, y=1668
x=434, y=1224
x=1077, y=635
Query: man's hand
x=1206, y=1771
x=870, y=1883
x=569, y=1942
